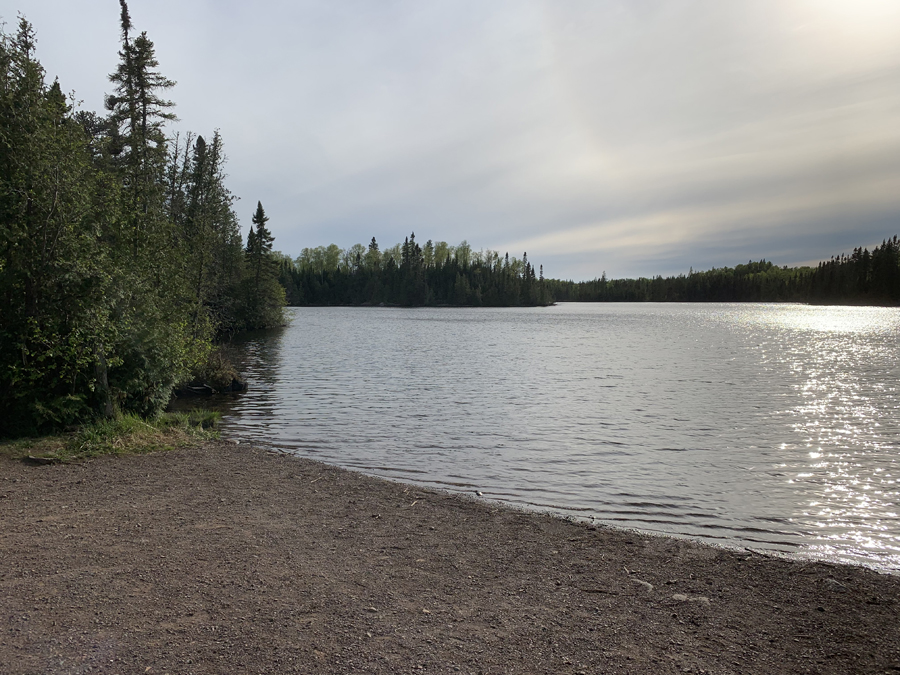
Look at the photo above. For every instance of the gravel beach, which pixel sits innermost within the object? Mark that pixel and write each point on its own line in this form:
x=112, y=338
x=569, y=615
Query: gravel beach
x=221, y=558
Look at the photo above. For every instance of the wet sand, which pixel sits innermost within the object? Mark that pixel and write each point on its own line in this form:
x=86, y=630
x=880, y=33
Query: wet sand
x=228, y=559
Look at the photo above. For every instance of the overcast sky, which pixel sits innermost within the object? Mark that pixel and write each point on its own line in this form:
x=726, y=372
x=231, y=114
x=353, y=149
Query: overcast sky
x=634, y=137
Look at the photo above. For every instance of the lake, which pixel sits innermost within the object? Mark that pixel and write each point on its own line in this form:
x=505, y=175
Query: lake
x=771, y=427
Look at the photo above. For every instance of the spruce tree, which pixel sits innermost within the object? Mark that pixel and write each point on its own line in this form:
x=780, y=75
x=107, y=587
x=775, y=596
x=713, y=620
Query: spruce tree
x=138, y=113
x=208, y=233
x=259, y=244
x=262, y=296
x=158, y=342
x=373, y=256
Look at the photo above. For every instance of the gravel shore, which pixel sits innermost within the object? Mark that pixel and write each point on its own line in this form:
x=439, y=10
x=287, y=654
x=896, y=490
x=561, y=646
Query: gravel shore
x=229, y=559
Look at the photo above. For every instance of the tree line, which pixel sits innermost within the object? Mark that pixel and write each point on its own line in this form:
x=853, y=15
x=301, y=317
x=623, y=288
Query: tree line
x=409, y=274
x=121, y=257
x=439, y=274
x=862, y=278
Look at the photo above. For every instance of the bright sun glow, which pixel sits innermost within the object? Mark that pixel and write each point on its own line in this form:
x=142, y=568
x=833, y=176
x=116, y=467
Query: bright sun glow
x=857, y=19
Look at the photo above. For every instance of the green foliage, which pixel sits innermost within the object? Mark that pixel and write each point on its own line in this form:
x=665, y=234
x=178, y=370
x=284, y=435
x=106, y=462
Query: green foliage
x=216, y=371
x=130, y=434
x=260, y=297
x=136, y=125
x=51, y=262
x=206, y=227
x=152, y=357
x=409, y=275
x=862, y=278
x=123, y=434
x=120, y=253
x=260, y=304
x=439, y=274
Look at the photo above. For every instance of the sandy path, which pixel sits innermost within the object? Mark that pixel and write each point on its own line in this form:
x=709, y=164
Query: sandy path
x=226, y=559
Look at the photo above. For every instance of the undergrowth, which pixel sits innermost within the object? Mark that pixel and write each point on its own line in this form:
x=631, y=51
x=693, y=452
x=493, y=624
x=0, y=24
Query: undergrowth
x=123, y=435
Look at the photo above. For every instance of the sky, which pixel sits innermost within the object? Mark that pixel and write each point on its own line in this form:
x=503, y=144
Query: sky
x=632, y=137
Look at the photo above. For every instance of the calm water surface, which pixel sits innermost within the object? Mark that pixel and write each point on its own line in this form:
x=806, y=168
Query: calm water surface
x=773, y=427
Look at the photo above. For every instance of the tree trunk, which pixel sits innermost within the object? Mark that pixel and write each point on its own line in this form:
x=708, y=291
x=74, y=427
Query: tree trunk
x=105, y=404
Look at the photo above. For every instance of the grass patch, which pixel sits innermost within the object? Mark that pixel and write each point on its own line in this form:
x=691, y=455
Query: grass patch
x=124, y=435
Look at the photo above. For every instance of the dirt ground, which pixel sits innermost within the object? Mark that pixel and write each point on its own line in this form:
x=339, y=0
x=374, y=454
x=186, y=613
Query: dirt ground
x=229, y=559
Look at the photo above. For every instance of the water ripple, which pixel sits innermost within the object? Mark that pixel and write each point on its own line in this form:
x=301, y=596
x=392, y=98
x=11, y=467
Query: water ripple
x=772, y=426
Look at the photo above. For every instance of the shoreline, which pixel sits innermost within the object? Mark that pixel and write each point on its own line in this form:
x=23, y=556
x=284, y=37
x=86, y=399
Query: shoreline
x=230, y=558
x=594, y=521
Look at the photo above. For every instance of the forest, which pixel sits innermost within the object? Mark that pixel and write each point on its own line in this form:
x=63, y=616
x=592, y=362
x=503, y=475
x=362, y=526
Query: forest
x=411, y=275
x=862, y=278
x=438, y=274
x=121, y=257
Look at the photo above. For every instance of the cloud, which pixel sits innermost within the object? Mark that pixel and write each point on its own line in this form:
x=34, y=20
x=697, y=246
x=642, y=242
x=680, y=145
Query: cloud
x=638, y=135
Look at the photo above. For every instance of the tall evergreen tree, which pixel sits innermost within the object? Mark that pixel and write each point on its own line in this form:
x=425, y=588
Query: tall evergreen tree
x=209, y=234
x=262, y=297
x=259, y=244
x=158, y=342
x=138, y=114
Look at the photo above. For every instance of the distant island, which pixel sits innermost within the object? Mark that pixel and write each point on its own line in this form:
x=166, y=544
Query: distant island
x=410, y=275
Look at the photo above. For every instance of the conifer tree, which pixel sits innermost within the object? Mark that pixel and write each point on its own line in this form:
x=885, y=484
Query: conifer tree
x=262, y=297
x=373, y=256
x=158, y=343
x=138, y=114
x=259, y=244
x=209, y=235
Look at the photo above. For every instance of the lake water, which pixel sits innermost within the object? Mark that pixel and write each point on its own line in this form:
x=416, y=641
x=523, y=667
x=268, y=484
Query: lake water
x=773, y=427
